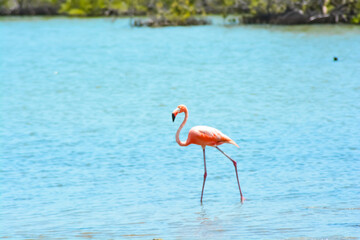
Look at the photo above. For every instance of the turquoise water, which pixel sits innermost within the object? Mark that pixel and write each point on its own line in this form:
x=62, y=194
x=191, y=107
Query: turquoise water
x=88, y=145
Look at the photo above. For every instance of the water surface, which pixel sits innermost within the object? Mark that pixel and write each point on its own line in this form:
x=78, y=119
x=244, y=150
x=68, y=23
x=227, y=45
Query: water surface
x=88, y=146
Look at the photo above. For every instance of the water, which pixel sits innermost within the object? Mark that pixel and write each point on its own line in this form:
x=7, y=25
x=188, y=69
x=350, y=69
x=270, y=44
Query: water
x=88, y=145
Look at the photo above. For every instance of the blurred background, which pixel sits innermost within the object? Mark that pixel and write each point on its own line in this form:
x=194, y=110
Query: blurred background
x=180, y=11
x=88, y=144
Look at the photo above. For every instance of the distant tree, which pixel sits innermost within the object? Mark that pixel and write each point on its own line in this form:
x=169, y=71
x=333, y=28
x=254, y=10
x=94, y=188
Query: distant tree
x=4, y=6
x=182, y=9
x=226, y=5
x=355, y=11
x=83, y=7
x=268, y=7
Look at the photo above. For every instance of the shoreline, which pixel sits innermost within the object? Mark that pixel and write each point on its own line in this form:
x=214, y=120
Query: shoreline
x=231, y=20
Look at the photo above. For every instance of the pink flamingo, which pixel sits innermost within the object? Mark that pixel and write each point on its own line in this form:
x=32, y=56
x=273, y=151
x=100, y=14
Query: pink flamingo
x=204, y=136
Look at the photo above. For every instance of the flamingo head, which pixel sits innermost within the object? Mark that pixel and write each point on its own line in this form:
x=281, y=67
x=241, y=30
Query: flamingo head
x=179, y=109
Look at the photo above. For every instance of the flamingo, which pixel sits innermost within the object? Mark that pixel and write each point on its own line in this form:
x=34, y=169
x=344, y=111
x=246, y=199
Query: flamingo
x=204, y=136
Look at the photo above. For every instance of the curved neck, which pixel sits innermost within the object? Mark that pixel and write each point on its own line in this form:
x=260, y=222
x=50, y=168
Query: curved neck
x=178, y=131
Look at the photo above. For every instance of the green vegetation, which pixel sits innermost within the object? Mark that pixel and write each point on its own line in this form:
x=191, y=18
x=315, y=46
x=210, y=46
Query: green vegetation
x=83, y=7
x=181, y=11
x=356, y=16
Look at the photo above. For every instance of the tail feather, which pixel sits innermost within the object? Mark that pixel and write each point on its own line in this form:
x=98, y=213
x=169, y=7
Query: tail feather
x=234, y=143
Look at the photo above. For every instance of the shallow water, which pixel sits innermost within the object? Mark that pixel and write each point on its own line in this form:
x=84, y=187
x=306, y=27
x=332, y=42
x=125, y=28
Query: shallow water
x=88, y=146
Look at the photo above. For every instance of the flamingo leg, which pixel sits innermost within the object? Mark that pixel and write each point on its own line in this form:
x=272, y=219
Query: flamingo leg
x=205, y=174
x=236, y=171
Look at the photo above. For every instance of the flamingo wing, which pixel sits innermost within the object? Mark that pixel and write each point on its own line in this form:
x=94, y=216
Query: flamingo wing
x=211, y=136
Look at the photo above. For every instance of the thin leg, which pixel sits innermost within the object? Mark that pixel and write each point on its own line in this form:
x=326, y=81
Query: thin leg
x=237, y=177
x=205, y=174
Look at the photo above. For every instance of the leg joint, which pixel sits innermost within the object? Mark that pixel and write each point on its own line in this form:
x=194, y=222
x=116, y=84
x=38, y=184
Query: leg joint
x=234, y=162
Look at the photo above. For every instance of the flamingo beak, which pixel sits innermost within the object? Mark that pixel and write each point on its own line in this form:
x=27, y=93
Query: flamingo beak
x=174, y=113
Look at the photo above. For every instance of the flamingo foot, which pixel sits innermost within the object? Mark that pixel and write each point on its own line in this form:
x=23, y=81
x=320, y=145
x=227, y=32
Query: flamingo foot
x=242, y=199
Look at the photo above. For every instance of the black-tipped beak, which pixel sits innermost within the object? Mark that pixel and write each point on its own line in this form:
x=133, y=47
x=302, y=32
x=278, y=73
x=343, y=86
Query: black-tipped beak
x=173, y=117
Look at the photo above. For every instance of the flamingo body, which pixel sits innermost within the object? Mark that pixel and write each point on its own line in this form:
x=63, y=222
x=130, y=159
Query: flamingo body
x=208, y=136
x=204, y=136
